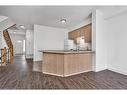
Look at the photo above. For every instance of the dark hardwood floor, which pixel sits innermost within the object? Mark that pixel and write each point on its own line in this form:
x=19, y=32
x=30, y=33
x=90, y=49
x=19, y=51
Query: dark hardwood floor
x=19, y=75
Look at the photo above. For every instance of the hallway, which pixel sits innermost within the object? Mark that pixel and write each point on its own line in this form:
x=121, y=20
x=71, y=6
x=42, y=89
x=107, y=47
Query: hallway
x=19, y=75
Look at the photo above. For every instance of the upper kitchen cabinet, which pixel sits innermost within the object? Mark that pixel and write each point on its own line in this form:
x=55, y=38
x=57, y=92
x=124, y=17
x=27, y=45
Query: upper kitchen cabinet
x=73, y=35
x=87, y=33
x=83, y=31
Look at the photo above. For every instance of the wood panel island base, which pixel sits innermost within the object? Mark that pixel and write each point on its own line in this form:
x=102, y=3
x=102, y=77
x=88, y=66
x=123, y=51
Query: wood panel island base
x=66, y=63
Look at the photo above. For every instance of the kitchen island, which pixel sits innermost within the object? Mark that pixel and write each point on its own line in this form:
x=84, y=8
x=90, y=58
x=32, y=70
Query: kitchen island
x=66, y=63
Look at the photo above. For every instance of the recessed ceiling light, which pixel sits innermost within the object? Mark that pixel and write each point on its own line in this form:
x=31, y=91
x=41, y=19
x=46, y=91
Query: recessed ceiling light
x=22, y=26
x=63, y=20
x=19, y=41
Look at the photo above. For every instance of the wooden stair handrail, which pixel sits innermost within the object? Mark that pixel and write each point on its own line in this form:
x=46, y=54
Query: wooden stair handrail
x=10, y=27
x=8, y=39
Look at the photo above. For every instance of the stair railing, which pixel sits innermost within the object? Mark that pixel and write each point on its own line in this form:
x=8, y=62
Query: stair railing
x=6, y=56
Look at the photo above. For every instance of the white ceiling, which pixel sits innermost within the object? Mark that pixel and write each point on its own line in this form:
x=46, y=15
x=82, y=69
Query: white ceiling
x=47, y=15
x=110, y=12
x=2, y=18
x=51, y=15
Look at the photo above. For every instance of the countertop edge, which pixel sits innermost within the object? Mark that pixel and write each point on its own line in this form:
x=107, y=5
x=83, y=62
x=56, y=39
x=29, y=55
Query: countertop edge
x=65, y=52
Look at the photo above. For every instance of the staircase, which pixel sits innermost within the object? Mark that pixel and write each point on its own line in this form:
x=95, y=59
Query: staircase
x=6, y=46
x=9, y=44
x=6, y=54
x=8, y=39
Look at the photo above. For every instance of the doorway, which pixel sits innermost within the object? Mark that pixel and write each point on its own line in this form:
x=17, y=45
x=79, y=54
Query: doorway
x=20, y=47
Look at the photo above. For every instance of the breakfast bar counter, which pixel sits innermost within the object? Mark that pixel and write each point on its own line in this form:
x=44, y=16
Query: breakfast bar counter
x=66, y=63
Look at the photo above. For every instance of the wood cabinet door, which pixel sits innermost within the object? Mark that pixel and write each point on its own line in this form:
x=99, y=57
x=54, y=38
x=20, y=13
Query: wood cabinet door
x=83, y=31
x=73, y=34
x=70, y=35
x=87, y=33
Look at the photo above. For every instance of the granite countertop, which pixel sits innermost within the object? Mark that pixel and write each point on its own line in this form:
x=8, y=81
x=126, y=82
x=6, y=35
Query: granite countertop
x=65, y=51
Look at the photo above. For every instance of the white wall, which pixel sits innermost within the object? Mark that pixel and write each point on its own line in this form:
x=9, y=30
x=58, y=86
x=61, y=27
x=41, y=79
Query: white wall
x=29, y=43
x=18, y=46
x=117, y=58
x=99, y=40
x=3, y=43
x=48, y=38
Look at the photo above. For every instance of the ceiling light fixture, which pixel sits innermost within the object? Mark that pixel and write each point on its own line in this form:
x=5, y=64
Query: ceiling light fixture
x=63, y=20
x=19, y=41
x=22, y=26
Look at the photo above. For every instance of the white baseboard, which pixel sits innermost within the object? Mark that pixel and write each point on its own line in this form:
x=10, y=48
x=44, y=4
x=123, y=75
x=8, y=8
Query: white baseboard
x=77, y=73
x=53, y=74
x=100, y=69
x=67, y=74
x=117, y=71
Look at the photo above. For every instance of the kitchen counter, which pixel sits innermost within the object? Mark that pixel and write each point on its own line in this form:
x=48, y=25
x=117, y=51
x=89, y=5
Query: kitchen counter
x=66, y=63
x=65, y=51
